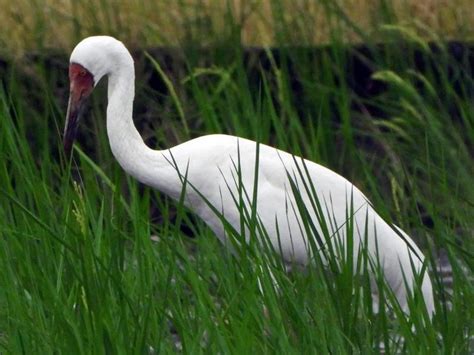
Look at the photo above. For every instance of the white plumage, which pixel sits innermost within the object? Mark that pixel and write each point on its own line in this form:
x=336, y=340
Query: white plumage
x=211, y=162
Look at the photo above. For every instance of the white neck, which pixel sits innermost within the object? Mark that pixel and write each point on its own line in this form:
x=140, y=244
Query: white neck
x=146, y=165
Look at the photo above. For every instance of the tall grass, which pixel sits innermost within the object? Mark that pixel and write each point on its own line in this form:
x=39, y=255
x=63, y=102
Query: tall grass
x=84, y=269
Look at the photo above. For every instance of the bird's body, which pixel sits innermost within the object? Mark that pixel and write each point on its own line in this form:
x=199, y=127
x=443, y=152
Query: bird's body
x=214, y=166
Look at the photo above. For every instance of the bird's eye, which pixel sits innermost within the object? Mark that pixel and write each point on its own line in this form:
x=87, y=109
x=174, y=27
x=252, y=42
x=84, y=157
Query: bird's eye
x=82, y=73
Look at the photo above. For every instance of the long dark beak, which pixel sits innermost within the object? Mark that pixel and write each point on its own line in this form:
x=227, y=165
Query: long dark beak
x=74, y=110
x=81, y=84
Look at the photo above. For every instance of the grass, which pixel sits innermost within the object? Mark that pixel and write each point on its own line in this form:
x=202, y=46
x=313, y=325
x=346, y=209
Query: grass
x=81, y=273
x=253, y=22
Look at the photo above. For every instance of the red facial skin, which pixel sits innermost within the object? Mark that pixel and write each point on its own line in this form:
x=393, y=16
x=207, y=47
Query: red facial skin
x=81, y=86
x=81, y=81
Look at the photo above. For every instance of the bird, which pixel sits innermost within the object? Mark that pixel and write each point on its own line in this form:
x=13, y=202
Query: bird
x=216, y=173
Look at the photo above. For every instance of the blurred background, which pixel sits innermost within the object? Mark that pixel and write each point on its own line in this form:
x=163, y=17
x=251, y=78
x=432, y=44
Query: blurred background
x=42, y=24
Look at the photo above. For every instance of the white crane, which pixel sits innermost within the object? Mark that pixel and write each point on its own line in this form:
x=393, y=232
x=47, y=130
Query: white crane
x=213, y=164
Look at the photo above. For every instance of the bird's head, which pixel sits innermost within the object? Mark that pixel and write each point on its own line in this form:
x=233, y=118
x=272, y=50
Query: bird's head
x=93, y=58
